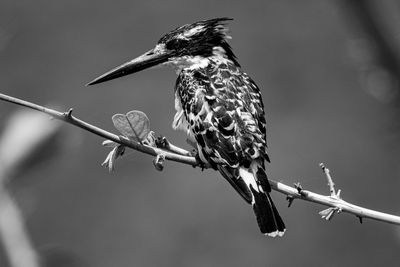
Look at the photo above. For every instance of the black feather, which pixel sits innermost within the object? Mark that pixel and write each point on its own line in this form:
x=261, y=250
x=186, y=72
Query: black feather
x=232, y=176
x=268, y=218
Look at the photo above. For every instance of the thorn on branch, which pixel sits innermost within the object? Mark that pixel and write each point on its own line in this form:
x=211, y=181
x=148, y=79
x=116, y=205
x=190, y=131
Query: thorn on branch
x=300, y=189
x=68, y=114
x=338, y=193
x=360, y=219
x=290, y=199
x=158, y=162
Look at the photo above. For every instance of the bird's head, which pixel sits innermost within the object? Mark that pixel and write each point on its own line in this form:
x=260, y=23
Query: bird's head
x=190, y=45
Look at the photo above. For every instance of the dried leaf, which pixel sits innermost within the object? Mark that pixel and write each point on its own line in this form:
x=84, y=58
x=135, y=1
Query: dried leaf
x=115, y=153
x=150, y=139
x=325, y=214
x=328, y=213
x=135, y=125
x=158, y=162
x=109, y=143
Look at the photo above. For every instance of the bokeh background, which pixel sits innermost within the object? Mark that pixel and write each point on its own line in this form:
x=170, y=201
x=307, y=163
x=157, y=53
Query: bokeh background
x=331, y=95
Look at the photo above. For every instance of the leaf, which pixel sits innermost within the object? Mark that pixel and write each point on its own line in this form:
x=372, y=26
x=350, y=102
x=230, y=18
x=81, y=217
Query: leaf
x=328, y=213
x=140, y=122
x=135, y=125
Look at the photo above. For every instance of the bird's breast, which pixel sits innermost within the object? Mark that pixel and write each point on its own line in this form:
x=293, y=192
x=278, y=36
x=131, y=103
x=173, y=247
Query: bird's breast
x=180, y=121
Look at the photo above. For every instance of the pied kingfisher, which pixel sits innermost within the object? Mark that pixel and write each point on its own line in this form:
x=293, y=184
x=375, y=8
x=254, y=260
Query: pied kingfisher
x=220, y=108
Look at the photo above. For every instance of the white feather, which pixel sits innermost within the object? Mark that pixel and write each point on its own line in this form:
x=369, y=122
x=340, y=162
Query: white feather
x=248, y=178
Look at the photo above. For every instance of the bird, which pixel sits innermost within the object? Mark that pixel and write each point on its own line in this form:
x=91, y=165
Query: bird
x=220, y=108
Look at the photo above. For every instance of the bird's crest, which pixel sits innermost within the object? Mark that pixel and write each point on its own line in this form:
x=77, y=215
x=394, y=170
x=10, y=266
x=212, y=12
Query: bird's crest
x=200, y=38
x=212, y=27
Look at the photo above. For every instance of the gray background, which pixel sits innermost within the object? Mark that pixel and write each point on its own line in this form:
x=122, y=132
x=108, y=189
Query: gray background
x=320, y=104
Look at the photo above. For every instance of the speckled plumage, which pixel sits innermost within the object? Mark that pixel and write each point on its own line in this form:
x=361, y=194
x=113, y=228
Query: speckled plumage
x=224, y=113
x=221, y=109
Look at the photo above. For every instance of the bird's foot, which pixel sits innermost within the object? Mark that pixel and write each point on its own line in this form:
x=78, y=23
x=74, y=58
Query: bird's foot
x=200, y=163
x=161, y=142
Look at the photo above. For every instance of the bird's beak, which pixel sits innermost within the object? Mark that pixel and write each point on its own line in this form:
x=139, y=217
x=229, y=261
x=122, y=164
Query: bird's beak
x=149, y=59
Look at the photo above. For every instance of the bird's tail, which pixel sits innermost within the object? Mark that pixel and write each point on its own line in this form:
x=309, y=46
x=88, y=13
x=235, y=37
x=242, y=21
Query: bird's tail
x=268, y=218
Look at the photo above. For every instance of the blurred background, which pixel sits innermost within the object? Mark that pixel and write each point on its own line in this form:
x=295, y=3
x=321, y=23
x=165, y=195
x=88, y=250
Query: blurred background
x=328, y=71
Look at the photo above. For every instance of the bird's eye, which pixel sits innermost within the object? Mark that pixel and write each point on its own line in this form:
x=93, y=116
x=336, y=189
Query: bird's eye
x=175, y=44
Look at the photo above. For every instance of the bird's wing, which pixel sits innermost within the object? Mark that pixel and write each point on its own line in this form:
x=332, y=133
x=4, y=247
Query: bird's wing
x=225, y=113
x=230, y=115
x=254, y=102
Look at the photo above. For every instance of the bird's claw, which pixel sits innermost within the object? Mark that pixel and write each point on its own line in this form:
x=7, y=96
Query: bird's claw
x=200, y=163
x=290, y=200
x=162, y=142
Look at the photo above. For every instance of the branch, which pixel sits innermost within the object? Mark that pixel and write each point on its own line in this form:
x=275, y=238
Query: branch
x=67, y=117
x=173, y=153
x=330, y=181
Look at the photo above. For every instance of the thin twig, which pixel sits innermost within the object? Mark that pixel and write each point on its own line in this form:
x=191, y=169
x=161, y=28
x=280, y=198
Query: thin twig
x=358, y=211
x=67, y=117
x=163, y=143
x=291, y=192
x=329, y=178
